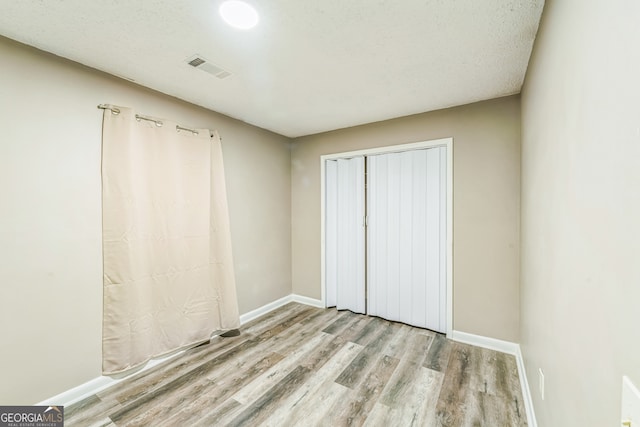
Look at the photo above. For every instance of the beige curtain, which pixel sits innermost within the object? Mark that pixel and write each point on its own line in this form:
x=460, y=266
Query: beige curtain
x=168, y=268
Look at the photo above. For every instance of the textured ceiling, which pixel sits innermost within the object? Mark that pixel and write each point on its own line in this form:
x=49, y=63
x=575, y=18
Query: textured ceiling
x=309, y=66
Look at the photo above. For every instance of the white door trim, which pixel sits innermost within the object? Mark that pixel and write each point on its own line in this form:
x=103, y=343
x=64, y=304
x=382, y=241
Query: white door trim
x=444, y=142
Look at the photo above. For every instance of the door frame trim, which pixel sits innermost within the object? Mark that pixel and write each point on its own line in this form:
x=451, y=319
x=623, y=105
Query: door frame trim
x=443, y=142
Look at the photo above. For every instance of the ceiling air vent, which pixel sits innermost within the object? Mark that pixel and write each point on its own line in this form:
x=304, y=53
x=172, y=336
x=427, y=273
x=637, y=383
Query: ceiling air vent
x=200, y=63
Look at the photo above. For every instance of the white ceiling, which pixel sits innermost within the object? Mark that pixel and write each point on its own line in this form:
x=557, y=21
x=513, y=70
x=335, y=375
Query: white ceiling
x=309, y=66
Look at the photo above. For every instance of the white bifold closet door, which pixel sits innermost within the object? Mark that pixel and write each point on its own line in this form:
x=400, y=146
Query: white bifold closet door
x=406, y=240
x=345, y=234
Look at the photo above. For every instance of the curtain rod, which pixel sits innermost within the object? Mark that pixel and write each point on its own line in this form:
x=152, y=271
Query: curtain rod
x=158, y=122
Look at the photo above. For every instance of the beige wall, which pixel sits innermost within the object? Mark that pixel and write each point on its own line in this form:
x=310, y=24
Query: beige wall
x=581, y=210
x=486, y=200
x=50, y=228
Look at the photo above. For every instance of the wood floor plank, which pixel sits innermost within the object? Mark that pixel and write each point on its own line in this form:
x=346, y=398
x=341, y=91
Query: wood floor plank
x=517, y=401
x=213, y=387
x=423, y=397
x=331, y=397
x=322, y=318
x=373, y=335
x=272, y=376
x=412, y=392
x=272, y=318
x=395, y=345
x=261, y=409
x=354, y=325
x=284, y=324
x=489, y=373
x=380, y=416
x=371, y=331
x=88, y=410
x=494, y=384
x=502, y=384
x=355, y=412
x=356, y=371
x=415, y=351
x=287, y=342
x=413, y=405
x=216, y=393
x=439, y=352
x=104, y=422
x=151, y=400
x=343, y=318
x=318, y=395
x=450, y=409
x=215, y=418
x=379, y=339
x=345, y=333
x=305, y=366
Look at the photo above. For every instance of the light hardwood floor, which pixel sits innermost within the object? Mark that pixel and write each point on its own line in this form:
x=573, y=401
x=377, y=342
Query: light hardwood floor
x=304, y=366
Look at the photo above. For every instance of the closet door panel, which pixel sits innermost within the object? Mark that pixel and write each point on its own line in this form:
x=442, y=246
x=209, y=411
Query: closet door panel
x=331, y=232
x=345, y=234
x=392, y=202
x=442, y=321
x=404, y=230
x=376, y=260
x=418, y=253
x=432, y=240
x=406, y=195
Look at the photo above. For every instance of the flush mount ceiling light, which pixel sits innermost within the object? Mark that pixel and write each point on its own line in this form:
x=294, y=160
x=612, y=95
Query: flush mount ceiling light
x=239, y=14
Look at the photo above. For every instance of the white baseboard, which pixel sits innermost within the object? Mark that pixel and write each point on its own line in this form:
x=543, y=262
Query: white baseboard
x=98, y=384
x=261, y=311
x=486, y=342
x=504, y=347
x=307, y=301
